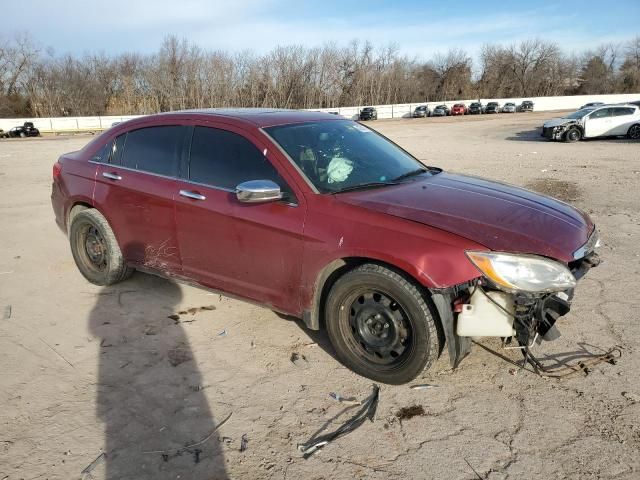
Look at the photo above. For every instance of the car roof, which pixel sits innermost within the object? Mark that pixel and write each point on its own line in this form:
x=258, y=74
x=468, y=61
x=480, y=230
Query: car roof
x=259, y=117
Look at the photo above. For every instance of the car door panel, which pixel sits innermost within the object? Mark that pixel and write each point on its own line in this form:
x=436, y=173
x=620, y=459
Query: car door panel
x=251, y=250
x=138, y=202
x=598, y=126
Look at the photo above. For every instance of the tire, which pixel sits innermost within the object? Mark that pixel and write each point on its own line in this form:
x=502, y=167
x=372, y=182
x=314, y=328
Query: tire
x=96, y=250
x=22, y=134
x=572, y=135
x=634, y=132
x=373, y=304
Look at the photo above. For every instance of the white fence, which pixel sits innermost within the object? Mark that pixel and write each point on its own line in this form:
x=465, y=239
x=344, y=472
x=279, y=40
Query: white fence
x=96, y=124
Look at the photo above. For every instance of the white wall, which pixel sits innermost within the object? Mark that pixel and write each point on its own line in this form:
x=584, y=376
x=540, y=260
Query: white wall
x=541, y=104
x=96, y=124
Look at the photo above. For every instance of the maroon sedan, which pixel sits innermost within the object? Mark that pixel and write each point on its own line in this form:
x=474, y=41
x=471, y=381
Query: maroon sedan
x=324, y=219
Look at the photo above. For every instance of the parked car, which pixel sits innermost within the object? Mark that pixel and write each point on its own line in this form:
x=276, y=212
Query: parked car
x=492, y=107
x=526, y=106
x=476, y=108
x=368, y=113
x=599, y=121
x=421, y=111
x=25, y=130
x=441, y=111
x=459, y=109
x=319, y=218
x=591, y=104
x=509, y=107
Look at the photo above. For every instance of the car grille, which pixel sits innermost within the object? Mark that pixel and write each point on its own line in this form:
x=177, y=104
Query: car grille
x=547, y=132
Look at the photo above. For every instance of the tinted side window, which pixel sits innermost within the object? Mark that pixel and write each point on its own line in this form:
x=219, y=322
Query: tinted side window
x=225, y=159
x=618, y=112
x=602, y=113
x=103, y=154
x=118, y=149
x=154, y=149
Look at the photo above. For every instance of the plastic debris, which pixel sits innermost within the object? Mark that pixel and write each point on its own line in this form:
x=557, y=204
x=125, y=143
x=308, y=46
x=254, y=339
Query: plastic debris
x=346, y=401
x=423, y=386
x=367, y=411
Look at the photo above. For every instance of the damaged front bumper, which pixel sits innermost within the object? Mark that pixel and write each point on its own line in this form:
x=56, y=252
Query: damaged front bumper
x=525, y=317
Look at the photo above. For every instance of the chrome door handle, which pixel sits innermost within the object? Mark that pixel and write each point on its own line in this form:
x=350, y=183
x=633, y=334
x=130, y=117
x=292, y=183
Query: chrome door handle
x=112, y=176
x=192, y=195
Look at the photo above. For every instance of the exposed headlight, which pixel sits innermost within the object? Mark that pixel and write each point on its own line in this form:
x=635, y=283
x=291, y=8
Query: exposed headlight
x=523, y=273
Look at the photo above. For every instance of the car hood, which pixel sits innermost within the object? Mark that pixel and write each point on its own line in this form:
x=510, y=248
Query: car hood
x=499, y=216
x=555, y=122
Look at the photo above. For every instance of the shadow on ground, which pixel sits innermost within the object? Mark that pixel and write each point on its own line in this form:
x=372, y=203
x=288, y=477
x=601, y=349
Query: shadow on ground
x=528, y=136
x=149, y=390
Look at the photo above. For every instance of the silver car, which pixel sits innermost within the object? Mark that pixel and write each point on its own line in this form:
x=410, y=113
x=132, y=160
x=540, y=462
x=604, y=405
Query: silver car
x=509, y=108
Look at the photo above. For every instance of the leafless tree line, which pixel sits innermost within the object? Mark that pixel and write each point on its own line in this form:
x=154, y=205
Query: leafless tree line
x=182, y=75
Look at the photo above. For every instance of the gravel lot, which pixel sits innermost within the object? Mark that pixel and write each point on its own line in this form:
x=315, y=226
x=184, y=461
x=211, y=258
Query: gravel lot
x=85, y=370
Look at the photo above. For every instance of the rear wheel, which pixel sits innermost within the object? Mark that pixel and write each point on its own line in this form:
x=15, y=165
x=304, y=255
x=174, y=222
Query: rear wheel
x=634, y=132
x=381, y=325
x=572, y=135
x=96, y=250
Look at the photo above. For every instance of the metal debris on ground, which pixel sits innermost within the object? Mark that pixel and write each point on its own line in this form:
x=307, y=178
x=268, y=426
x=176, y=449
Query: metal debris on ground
x=423, y=386
x=89, y=468
x=7, y=313
x=244, y=442
x=344, y=400
x=223, y=333
x=367, y=411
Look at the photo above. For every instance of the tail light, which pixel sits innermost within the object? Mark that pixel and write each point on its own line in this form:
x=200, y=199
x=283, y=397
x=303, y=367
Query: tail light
x=57, y=170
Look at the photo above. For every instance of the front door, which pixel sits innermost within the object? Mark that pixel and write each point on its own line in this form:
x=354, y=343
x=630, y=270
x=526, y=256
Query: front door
x=599, y=123
x=249, y=249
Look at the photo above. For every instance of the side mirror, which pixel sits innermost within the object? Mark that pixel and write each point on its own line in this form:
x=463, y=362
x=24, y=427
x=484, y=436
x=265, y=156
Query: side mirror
x=257, y=191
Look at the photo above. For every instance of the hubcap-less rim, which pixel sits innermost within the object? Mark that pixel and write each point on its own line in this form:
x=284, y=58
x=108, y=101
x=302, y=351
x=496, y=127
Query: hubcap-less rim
x=635, y=132
x=92, y=248
x=378, y=327
x=573, y=135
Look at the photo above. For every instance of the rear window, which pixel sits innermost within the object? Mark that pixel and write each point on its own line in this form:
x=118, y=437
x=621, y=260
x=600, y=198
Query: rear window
x=619, y=112
x=153, y=149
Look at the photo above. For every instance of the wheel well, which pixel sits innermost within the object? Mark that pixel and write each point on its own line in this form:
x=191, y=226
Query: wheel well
x=73, y=211
x=314, y=318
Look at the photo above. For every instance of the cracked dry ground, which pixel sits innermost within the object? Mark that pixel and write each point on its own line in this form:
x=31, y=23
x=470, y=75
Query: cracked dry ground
x=85, y=369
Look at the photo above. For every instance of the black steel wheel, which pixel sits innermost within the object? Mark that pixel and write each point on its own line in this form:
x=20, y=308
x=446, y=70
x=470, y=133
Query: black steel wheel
x=572, y=135
x=634, y=132
x=381, y=324
x=95, y=249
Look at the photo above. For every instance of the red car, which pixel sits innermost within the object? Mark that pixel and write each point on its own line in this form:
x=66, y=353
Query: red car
x=459, y=109
x=324, y=219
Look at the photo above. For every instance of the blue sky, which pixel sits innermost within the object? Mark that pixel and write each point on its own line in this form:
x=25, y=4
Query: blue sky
x=418, y=28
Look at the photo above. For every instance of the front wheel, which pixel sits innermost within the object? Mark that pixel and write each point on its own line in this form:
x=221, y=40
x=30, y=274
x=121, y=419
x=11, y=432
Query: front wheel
x=96, y=250
x=381, y=325
x=634, y=132
x=572, y=135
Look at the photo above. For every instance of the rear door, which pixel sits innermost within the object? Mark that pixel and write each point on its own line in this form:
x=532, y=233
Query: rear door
x=622, y=119
x=135, y=190
x=250, y=249
x=599, y=123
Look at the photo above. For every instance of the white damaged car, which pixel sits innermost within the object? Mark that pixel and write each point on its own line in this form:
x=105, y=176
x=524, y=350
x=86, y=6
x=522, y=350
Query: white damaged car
x=599, y=121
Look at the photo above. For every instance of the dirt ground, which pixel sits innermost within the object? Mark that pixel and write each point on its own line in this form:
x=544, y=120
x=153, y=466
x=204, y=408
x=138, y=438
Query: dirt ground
x=86, y=370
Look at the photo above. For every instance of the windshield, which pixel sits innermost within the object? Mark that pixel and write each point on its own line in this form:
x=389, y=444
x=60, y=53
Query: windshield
x=579, y=113
x=341, y=154
x=421, y=108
